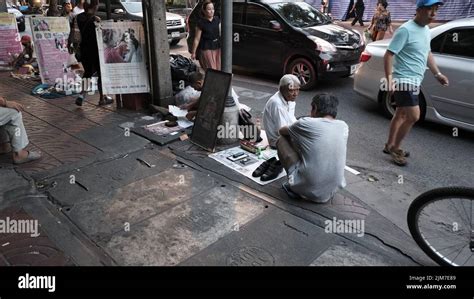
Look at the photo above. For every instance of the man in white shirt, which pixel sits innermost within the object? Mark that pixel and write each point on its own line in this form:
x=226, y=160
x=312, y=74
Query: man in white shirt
x=78, y=9
x=280, y=109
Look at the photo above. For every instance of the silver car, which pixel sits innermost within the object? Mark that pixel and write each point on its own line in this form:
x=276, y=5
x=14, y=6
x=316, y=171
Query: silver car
x=452, y=45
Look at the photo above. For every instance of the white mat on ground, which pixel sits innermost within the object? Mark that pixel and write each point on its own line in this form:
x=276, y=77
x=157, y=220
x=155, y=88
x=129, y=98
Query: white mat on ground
x=248, y=169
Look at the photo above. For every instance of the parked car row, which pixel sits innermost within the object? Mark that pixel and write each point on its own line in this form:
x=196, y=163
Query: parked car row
x=277, y=37
x=452, y=45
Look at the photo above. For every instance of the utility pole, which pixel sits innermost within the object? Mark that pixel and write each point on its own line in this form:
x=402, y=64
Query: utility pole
x=108, y=9
x=226, y=36
x=154, y=20
x=3, y=6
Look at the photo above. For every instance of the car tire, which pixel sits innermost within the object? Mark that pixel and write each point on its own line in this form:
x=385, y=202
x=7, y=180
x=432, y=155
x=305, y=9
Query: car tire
x=174, y=42
x=387, y=105
x=305, y=71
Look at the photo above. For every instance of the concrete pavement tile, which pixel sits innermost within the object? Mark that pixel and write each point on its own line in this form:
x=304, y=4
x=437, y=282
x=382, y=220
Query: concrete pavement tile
x=352, y=255
x=103, y=179
x=112, y=139
x=277, y=238
x=138, y=201
x=175, y=235
x=391, y=202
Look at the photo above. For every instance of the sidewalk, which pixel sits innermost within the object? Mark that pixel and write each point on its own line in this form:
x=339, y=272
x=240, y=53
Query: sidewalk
x=98, y=205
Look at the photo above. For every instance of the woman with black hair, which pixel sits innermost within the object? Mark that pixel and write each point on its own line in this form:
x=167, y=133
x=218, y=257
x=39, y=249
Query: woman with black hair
x=381, y=21
x=206, y=46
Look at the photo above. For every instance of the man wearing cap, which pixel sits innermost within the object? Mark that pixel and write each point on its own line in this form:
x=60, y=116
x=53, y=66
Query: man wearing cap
x=405, y=63
x=26, y=56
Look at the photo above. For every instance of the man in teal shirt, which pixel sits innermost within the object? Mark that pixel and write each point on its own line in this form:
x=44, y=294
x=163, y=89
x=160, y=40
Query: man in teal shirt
x=405, y=63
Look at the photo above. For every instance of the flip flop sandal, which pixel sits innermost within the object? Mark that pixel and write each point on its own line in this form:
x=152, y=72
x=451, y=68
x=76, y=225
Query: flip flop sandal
x=32, y=156
x=399, y=152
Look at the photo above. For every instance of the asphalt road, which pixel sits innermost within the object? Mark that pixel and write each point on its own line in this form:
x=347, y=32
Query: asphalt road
x=437, y=158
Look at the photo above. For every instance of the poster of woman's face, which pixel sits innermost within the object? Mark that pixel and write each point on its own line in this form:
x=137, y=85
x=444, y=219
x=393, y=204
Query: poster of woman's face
x=40, y=25
x=121, y=46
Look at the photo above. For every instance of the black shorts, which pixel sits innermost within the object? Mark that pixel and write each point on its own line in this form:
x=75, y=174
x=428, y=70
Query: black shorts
x=406, y=98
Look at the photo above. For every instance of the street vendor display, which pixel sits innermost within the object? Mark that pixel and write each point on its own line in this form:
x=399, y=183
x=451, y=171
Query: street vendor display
x=121, y=54
x=10, y=42
x=50, y=36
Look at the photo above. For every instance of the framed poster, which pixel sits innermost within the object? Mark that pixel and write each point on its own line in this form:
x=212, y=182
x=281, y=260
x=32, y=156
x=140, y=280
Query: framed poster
x=122, y=57
x=10, y=41
x=50, y=36
x=211, y=108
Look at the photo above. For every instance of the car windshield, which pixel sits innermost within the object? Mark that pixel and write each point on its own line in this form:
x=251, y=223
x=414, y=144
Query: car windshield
x=132, y=6
x=300, y=14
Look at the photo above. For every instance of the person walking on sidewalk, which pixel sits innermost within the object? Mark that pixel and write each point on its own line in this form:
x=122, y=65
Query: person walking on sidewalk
x=13, y=135
x=207, y=39
x=313, y=152
x=279, y=111
x=381, y=21
x=405, y=64
x=359, y=8
x=90, y=50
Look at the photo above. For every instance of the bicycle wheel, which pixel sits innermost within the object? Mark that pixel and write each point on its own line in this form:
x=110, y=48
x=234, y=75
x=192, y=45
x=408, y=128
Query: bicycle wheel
x=441, y=222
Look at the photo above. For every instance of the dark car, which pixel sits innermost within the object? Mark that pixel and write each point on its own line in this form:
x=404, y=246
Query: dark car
x=277, y=37
x=20, y=18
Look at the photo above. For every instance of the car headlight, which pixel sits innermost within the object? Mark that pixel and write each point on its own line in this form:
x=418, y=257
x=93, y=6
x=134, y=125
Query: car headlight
x=322, y=45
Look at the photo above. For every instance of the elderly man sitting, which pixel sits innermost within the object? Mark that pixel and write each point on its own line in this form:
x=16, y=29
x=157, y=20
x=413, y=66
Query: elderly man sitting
x=280, y=108
x=313, y=152
x=12, y=133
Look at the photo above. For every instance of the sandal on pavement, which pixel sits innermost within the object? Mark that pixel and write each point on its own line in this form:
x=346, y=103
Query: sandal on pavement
x=400, y=152
x=398, y=159
x=32, y=156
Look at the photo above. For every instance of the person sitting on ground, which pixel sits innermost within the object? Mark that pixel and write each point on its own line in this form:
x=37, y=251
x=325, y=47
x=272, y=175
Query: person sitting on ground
x=26, y=56
x=13, y=134
x=313, y=152
x=279, y=111
x=192, y=92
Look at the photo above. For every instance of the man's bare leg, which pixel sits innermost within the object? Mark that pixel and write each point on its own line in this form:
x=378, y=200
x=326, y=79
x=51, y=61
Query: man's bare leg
x=287, y=153
x=412, y=115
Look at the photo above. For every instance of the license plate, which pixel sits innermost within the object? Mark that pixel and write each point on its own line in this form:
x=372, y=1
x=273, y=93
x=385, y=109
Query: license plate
x=175, y=34
x=354, y=68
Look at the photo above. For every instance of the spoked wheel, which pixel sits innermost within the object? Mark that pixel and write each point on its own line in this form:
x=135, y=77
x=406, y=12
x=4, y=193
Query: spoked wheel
x=304, y=70
x=441, y=222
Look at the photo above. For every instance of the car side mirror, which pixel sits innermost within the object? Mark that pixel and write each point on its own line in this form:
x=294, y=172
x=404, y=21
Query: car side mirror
x=275, y=25
x=119, y=11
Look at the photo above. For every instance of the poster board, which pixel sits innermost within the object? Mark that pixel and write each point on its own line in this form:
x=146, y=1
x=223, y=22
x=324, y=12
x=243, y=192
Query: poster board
x=10, y=38
x=211, y=108
x=122, y=57
x=50, y=37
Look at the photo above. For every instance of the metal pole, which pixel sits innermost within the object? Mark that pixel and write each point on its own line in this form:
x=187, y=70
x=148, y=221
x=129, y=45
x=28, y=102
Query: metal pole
x=108, y=9
x=3, y=6
x=226, y=36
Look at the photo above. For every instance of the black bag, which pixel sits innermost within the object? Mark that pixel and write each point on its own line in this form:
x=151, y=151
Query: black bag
x=248, y=127
x=75, y=39
x=181, y=68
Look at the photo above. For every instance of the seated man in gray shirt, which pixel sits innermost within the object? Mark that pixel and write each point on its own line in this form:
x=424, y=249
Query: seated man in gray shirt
x=313, y=151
